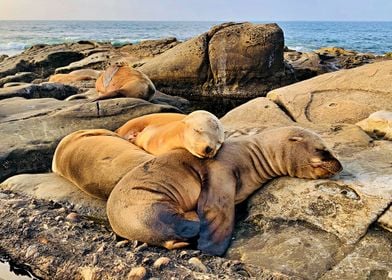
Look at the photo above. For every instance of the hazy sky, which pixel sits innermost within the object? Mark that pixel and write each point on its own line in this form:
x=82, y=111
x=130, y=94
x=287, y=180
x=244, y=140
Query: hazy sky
x=261, y=10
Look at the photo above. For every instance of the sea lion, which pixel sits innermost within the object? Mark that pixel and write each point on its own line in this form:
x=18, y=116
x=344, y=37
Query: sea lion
x=200, y=132
x=123, y=80
x=176, y=197
x=96, y=159
x=378, y=124
x=75, y=76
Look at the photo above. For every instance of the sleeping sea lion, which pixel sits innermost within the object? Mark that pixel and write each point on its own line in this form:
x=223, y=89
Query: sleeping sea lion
x=378, y=124
x=123, y=80
x=96, y=159
x=200, y=132
x=176, y=197
x=75, y=76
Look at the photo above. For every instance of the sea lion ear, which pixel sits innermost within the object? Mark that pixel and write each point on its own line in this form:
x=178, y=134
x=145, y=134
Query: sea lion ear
x=296, y=138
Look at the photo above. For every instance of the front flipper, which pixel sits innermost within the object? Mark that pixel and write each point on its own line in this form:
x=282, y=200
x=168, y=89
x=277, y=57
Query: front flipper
x=216, y=211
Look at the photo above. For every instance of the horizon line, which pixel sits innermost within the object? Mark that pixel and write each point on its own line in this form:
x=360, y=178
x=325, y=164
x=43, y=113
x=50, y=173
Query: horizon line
x=166, y=20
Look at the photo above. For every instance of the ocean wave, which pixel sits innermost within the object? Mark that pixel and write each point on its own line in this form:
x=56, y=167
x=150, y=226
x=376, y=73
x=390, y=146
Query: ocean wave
x=10, y=46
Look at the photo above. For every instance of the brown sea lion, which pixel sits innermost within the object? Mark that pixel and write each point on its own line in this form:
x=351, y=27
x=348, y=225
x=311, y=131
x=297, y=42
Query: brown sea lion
x=176, y=197
x=200, y=132
x=75, y=76
x=123, y=80
x=96, y=159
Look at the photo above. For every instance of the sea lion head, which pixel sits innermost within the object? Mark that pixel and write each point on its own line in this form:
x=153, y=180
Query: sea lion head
x=203, y=134
x=303, y=154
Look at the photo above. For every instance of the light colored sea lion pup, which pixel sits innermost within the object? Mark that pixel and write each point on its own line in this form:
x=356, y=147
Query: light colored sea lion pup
x=96, y=159
x=176, y=197
x=200, y=132
x=379, y=124
x=123, y=80
x=75, y=76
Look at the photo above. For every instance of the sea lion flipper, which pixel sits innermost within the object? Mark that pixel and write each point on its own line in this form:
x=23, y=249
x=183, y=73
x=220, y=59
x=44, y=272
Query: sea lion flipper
x=109, y=74
x=216, y=214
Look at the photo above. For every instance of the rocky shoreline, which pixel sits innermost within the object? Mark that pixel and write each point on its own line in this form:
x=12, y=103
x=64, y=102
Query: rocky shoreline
x=338, y=228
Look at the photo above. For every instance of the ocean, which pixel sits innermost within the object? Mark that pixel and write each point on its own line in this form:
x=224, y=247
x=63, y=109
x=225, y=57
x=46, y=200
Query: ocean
x=15, y=36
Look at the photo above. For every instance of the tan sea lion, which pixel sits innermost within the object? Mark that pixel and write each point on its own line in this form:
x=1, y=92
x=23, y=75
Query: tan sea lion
x=378, y=124
x=75, y=76
x=123, y=80
x=200, y=132
x=176, y=197
x=96, y=159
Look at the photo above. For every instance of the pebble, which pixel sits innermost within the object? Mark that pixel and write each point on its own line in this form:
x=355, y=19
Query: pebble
x=196, y=263
x=3, y=195
x=184, y=254
x=141, y=247
x=121, y=243
x=73, y=217
x=161, y=262
x=101, y=249
x=31, y=251
x=137, y=273
x=147, y=261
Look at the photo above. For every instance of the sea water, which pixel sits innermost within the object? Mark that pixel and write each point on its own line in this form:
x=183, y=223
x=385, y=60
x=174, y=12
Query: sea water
x=15, y=36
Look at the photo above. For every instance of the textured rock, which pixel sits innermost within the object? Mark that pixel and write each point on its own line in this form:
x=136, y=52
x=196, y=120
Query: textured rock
x=44, y=90
x=371, y=259
x=231, y=60
x=346, y=96
x=43, y=59
x=50, y=186
x=94, y=61
x=31, y=148
x=24, y=77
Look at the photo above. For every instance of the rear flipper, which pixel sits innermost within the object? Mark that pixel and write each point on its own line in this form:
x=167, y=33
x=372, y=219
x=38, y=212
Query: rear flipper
x=112, y=94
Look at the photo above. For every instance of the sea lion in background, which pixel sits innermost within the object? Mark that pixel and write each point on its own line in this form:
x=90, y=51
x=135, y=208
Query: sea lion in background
x=75, y=76
x=378, y=124
x=96, y=159
x=200, y=132
x=123, y=80
x=176, y=197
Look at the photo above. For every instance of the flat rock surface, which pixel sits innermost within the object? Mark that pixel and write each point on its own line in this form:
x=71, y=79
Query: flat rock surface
x=346, y=96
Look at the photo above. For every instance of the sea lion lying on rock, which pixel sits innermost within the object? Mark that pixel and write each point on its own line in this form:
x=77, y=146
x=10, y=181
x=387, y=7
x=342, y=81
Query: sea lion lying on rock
x=201, y=133
x=75, y=76
x=379, y=124
x=123, y=80
x=96, y=159
x=175, y=197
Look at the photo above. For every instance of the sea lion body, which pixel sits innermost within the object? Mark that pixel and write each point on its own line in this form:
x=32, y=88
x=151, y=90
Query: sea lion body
x=125, y=81
x=96, y=159
x=200, y=132
x=75, y=76
x=175, y=197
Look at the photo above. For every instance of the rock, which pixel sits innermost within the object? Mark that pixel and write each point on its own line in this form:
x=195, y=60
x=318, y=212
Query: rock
x=294, y=250
x=231, y=60
x=31, y=149
x=371, y=259
x=17, y=108
x=346, y=96
x=14, y=84
x=385, y=220
x=137, y=273
x=133, y=53
x=161, y=262
x=197, y=264
x=259, y=112
x=45, y=90
x=50, y=186
x=94, y=61
x=43, y=59
x=176, y=101
x=3, y=57
x=378, y=124
x=122, y=243
x=73, y=217
x=24, y=77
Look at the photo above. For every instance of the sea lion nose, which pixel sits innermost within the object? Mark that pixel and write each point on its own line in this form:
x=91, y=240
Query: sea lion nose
x=208, y=150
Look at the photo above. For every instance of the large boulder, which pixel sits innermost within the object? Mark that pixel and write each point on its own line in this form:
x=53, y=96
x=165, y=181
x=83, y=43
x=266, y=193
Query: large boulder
x=235, y=60
x=29, y=139
x=44, y=59
x=24, y=77
x=346, y=96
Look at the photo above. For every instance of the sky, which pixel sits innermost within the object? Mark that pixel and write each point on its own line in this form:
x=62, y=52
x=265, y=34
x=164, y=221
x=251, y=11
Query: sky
x=205, y=10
